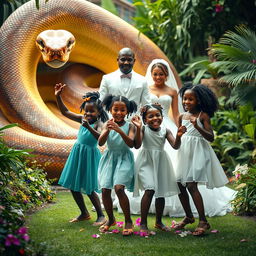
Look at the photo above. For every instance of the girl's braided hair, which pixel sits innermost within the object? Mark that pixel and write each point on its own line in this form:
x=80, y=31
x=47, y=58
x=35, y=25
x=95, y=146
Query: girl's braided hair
x=94, y=97
x=109, y=100
x=144, y=110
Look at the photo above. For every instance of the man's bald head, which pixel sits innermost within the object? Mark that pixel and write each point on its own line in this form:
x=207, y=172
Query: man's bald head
x=126, y=51
x=126, y=60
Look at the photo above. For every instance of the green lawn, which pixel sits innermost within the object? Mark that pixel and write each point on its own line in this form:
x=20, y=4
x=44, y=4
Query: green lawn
x=50, y=225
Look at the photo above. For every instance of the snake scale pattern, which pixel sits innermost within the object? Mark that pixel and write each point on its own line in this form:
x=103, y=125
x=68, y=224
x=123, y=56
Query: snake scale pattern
x=99, y=36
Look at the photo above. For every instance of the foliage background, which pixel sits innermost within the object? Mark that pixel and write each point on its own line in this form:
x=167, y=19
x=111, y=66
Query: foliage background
x=190, y=26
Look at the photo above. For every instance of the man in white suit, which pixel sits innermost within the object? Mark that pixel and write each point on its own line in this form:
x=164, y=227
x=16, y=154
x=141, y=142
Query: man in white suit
x=125, y=81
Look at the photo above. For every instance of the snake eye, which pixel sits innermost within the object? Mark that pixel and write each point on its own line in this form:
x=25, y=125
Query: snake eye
x=70, y=42
x=40, y=42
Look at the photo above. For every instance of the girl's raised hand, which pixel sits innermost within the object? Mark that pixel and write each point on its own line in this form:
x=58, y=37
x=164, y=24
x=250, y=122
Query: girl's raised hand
x=181, y=130
x=85, y=122
x=58, y=88
x=193, y=120
x=137, y=121
x=111, y=125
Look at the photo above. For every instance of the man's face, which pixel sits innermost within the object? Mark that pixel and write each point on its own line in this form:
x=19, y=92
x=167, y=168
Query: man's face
x=125, y=62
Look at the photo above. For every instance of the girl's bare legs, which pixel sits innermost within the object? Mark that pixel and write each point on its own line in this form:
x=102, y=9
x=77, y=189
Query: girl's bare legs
x=78, y=197
x=203, y=224
x=184, y=199
x=197, y=199
x=160, y=204
x=145, y=204
x=125, y=205
x=108, y=205
x=96, y=203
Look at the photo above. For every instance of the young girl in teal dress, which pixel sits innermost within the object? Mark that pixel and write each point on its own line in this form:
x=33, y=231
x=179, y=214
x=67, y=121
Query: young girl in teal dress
x=80, y=173
x=196, y=160
x=154, y=170
x=116, y=168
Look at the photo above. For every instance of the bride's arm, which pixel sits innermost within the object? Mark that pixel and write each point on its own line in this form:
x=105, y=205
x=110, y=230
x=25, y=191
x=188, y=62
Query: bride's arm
x=174, y=106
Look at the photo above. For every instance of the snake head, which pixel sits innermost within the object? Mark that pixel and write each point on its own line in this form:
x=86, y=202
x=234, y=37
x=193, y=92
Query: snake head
x=55, y=46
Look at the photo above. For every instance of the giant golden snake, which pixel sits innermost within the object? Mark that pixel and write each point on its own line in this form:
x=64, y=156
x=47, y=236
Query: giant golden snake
x=27, y=86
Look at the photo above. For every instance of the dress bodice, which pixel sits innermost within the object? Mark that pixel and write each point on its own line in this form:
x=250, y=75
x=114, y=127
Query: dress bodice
x=154, y=139
x=85, y=137
x=191, y=130
x=164, y=100
x=115, y=141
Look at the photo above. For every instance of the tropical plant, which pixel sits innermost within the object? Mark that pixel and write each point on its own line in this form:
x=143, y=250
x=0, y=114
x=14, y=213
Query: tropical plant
x=9, y=6
x=199, y=68
x=186, y=28
x=245, y=199
x=22, y=187
x=236, y=56
x=11, y=160
x=235, y=135
x=109, y=6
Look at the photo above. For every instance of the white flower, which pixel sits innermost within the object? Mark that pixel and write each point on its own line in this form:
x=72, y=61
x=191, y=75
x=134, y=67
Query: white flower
x=241, y=169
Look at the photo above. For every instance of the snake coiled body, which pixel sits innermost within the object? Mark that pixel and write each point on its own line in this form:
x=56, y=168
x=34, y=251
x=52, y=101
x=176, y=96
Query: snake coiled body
x=99, y=36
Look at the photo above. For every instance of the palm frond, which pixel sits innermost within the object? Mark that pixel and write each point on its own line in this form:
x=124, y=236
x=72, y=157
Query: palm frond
x=226, y=52
x=240, y=77
x=236, y=56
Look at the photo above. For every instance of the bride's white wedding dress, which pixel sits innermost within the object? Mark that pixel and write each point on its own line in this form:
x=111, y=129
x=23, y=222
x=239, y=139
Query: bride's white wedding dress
x=216, y=201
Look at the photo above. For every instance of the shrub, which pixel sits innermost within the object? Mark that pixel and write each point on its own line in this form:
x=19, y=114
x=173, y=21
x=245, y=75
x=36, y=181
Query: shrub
x=22, y=187
x=235, y=131
x=245, y=200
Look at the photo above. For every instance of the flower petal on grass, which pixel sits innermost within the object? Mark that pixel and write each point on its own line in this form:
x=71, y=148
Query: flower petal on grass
x=137, y=222
x=215, y=231
x=173, y=224
x=243, y=240
x=115, y=231
x=96, y=236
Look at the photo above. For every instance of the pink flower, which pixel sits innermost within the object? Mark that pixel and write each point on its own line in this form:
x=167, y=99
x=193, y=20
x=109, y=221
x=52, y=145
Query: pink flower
x=219, y=8
x=115, y=231
x=96, y=236
x=178, y=231
x=214, y=231
x=23, y=230
x=254, y=61
x=143, y=233
x=137, y=223
x=26, y=237
x=11, y=239
x=238, y=175
x=136, y=233
x=120, y=224
x=173, y=224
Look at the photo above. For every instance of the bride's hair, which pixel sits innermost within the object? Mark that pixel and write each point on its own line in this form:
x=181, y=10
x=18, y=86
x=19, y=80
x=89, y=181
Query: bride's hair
x=162, y=66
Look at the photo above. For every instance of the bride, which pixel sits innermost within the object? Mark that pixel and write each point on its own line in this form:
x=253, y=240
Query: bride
x=164, y=90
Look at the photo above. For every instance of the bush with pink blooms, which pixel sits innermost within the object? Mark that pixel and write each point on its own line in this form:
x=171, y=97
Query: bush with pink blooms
x=22, y=188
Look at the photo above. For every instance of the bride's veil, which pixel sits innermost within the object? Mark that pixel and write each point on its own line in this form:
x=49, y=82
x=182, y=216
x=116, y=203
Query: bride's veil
x=170, y=82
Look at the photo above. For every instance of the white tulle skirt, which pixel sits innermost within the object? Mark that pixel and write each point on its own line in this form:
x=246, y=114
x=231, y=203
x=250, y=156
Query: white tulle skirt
x=216, y=203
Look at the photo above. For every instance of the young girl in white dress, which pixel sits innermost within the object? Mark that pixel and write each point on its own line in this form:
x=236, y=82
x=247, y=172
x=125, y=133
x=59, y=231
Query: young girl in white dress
x=153, y=168
x=196, y=161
